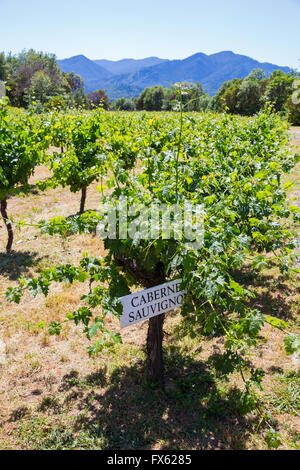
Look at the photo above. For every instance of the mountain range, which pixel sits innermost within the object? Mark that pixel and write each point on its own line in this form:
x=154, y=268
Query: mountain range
x=128, y=77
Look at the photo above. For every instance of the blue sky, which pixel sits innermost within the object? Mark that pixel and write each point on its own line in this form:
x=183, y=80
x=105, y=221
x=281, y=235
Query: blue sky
x=267, y=30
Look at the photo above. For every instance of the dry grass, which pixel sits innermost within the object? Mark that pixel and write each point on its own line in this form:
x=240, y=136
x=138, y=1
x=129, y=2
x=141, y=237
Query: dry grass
x=52, y=395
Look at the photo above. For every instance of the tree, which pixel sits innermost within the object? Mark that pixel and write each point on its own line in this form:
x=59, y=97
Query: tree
x=293, y=111
x=168, y=100
x=40, y=89
x=250, y=92
x=124, y=104
x=79, y=99
x=74, y=81
x=140, y=100
x=217, y=103
x=204, y=102
x=196, y=99
x=241, y=96
x=98, y=99
x=3, y=67
x=23, y=69
x=151, y=99
x=57, y=103
x=230, y=98
x=279, y=88
x=257, y=74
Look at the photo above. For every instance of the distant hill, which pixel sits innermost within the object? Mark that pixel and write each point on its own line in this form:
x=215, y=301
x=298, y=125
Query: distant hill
x=128, y=77
x=86, y=68
x=120, y=67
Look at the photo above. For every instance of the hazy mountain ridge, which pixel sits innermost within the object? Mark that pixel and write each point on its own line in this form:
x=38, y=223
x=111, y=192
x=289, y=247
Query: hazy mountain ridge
x=124, y=66
x=128, y=77
x=84, y=67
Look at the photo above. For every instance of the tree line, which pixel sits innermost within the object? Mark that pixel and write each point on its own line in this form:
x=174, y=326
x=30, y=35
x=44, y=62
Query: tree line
x=244, y=97
x=34, y=80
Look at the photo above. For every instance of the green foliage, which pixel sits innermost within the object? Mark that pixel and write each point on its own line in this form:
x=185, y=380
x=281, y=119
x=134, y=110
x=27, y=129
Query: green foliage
x=40, y=88
x=54, y=328
x=33, y=73
x=57, y=103
x=22, y=143
x=98, y=99
x=217, y=103
x=293, y=109
x=231, y=166
x=273, y=439
x=34, y=77
x=79, y=100
x=74, y=81
x=244, y=96
x=124, y=104
x=151, y=99
x=21, y=146
x=230, y=98
x=285, y=397
x=158, y=98
x=80, y=163
x=292, y=344
x=279, y=88
x=196, y=99
x=248, y=96
x=91, y=144
x=14, y=294
x=2, y=67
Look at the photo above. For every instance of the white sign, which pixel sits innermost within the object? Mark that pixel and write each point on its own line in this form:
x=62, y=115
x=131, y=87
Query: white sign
x=149, y=303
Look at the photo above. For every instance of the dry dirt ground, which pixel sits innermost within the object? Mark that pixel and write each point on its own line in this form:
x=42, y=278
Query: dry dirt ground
x=53, y=396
